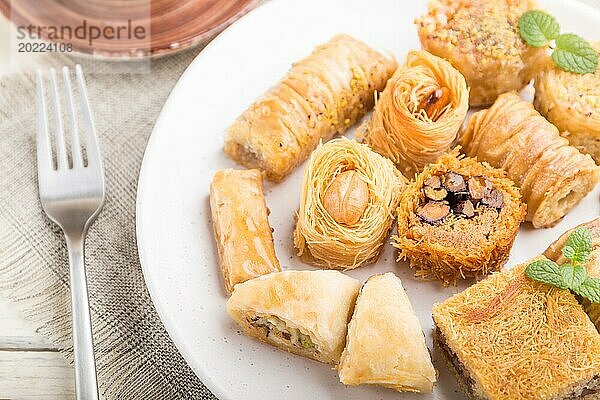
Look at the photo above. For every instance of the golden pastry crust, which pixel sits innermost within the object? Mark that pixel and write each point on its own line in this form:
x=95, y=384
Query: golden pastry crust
x=554, y=252
x=519, y=339
x=317, y=303
x=481, y=39
x=458, y=248
x=322, y=95
x=325, y=242
x=385, y=344
x=402, y=129
x=572, y=103
x=241, y=226
x=552, y=175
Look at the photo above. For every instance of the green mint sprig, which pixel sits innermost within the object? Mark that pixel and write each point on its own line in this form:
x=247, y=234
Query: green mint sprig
x=570, y=275
x=570, y=52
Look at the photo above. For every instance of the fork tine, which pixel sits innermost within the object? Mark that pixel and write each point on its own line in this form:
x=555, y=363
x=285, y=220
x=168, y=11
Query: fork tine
x=75, y=145
x=92, y=146
x=44, y=153
x=61, y=148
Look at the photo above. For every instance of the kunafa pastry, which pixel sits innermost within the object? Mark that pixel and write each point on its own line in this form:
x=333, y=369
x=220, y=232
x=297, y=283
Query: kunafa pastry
x=303, y=312
x=552, y=175
x=241, y=226
x=554, y=253
x=385, y=344
x=509, y=337
x=572, y=103
x=419, y=113
x=349, y=194
x=458, y=219
x=481, y=39
x=321, y=96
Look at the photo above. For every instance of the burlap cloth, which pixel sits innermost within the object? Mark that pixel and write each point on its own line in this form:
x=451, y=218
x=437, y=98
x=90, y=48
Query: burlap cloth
x=135, y=357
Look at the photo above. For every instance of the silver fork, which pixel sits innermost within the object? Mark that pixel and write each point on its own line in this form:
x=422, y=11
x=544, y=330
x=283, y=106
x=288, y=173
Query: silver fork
x=72, y=197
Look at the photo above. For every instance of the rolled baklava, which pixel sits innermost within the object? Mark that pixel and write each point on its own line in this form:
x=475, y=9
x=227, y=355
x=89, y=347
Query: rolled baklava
x=385, y=345
x=349, y=194
x=419, y=113
x=552, y=175
x=509, y=337
x=241, y=226
x=458, y=219
x=321, y=96
x=572, y=103
x=481, y=39
x=554, y=253
x=303, y=312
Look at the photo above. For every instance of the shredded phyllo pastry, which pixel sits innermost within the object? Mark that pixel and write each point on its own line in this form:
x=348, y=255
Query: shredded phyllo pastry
x=535, y=342
x=419, y=113
x=572, y=103
x=481, y=39
x=349, y=194
x=322, y=95
x=553, y=176
x=553, y=252
x=458, y=219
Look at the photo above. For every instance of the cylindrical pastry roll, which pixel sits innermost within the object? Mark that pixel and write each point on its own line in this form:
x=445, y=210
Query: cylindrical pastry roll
x=552, y=175
x=572, y=103
x=321, y=96
x=303, y=312
x=241, y=226
x=458, y=219
x=592, y=266
x=349, y=194
x=385, y=342
x=418, y=115
x=481, y=39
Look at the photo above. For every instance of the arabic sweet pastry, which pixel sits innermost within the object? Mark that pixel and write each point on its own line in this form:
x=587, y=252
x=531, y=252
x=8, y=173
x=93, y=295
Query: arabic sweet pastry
x=241, y=226
x=481, y=39
x=385, y=344
x=572, y=103
x=321, y=96
x=553, y=252
x=303, y=312
x=458, y=219
x=509, y=337
x=349, y=194
x=419, y=113
x=552, y=175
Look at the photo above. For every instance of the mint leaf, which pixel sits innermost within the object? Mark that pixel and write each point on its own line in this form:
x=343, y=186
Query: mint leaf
x=578, y=246
x=574, y=54
x=590, y=289
x=537, y=28
x=545, y=271
x=572, y=276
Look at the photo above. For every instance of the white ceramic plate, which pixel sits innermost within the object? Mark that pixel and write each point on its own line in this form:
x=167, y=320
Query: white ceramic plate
x=175, y=240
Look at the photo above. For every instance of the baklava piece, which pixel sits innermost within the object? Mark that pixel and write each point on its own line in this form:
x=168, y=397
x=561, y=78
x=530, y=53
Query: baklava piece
x=458, y=219
x=572, y=103
x=241, y=226
x=303, y=312
x=481, y=39
x=385, y=344
x=509, y=337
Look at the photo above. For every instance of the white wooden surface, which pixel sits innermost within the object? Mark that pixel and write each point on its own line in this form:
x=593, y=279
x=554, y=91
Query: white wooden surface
x=30, y=366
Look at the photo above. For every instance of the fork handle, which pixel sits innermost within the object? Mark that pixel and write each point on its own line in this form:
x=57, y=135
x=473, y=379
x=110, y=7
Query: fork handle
x=86, y=385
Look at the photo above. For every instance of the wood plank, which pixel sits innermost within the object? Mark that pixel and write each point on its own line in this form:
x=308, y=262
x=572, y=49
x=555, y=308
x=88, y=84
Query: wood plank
x=16, y=333
x=27, y=375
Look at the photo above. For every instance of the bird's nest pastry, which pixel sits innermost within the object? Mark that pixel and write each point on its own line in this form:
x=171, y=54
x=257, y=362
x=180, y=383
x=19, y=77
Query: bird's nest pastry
x=458, y=219
x=481, y=39
x=419, y=113
x=552, y=175
x=349, y=194
x=572, y=103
